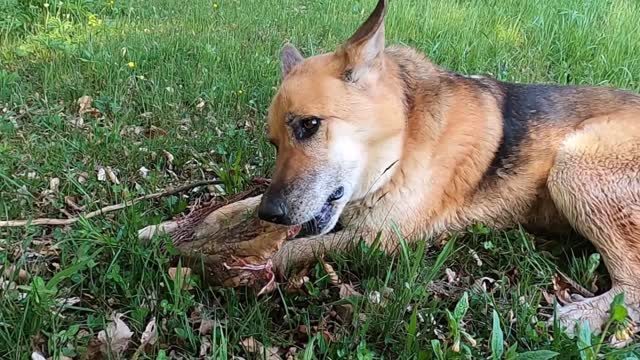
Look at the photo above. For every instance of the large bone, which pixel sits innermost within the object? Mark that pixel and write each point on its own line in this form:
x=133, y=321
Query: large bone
x=213, y=239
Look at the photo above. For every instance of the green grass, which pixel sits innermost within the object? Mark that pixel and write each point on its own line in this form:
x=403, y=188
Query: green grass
x=188, y=53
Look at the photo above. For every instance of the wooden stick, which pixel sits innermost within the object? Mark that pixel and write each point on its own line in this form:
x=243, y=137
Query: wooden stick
x=106, y=209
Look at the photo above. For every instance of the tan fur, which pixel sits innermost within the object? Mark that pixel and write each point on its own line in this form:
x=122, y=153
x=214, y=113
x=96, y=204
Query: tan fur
x=437, y=135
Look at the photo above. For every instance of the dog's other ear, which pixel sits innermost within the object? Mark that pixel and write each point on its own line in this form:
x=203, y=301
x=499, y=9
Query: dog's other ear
x=289, y=58
x=362, y=52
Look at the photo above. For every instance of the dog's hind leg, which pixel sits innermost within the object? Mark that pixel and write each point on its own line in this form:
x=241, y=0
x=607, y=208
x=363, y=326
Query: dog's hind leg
x=595, y=183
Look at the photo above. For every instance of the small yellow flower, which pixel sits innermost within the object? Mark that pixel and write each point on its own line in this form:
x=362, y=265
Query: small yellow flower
x=111, y=2
x=94, y=21
x=46, y=5
x=239, y=92
x=215, y=5
x=131, y=64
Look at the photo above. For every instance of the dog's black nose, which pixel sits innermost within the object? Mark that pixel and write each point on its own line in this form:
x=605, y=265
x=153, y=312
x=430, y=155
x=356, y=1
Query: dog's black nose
x=273, y=209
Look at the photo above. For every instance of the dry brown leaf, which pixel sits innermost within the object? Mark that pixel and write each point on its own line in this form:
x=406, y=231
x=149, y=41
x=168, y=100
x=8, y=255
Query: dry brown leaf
x=565, y=288
x=112, y=176
x=206, y=326
x=547, y=297
x=85, y=104
x=148, y=339
x=562, y=294
x=333, y=276
x=253, y=346
x=291, y=353
x=93, y=350
x=22, y=276
x=115, y=339
x=347, y=290
x=169, y=156
x=248, y=126
x=155, y=131
x=181, y=276
x=82, y=177
x=564, y=284
x=482, y=285
x=150, y=334
x=345, y=312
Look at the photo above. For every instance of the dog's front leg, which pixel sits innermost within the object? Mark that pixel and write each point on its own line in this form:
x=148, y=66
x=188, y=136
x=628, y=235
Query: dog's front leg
x=298, y=254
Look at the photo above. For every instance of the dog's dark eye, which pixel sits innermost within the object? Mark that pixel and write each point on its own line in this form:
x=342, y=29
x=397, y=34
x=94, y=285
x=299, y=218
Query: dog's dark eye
x=307, y=128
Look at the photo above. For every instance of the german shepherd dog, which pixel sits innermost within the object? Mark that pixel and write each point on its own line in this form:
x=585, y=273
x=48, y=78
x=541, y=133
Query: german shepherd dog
x=391, y=144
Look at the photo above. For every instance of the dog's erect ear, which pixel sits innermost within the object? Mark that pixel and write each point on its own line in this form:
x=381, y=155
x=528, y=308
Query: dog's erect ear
x=362, y=52
x=289, y=57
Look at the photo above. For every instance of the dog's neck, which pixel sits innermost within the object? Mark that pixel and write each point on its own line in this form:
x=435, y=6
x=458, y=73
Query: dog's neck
x=440, y=163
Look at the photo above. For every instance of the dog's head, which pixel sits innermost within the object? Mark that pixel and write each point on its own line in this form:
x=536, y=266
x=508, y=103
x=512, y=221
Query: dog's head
x=334, y=123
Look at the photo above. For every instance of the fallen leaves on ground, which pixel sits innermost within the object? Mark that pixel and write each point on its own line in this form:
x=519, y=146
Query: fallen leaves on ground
x=201, y=104
x=21, y=275
x=148, y=339
x=112, y=175
x=206, y=327
x=564, y=287
x=85, y=105
x=116, y=337
x=181, y=277
x=451, y=276
x=54, y=185
x=169, y=156
x=154, y=132
x=483, y=285
x=333, y=276
x=82, y=177
x=347, y=291
x=254, y=347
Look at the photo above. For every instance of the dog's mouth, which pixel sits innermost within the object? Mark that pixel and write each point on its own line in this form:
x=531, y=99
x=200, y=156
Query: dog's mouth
x=322, y=218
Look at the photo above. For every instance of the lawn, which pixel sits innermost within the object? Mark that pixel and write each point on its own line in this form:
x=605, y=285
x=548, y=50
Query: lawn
x=179, y=91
